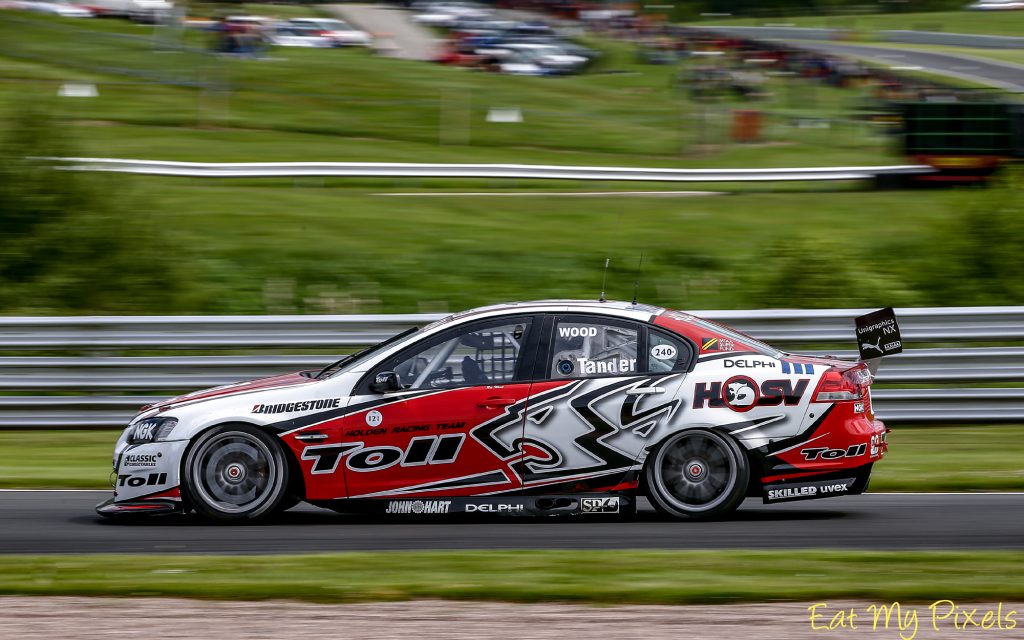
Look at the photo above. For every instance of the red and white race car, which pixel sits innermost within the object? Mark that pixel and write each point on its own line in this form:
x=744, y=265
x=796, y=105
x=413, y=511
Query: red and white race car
x=526, y=408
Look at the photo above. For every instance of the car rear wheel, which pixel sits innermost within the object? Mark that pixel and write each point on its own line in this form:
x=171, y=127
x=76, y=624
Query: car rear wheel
x=697, y=475
x=236, y=472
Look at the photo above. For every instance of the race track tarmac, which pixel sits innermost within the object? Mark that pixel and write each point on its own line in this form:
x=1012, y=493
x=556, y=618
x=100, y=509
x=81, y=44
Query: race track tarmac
x=64, y=522
x=969, y=67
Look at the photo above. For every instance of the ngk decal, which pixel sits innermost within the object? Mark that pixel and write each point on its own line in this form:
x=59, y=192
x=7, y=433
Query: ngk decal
x=741, y=393
x=420, y=451
x=824, y=453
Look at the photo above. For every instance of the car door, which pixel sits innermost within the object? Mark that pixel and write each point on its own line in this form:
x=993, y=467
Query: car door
x=604, y=386
x=456, y=426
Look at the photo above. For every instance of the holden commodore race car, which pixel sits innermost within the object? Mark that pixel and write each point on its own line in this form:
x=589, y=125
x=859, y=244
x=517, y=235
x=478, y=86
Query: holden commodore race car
x=547, y=407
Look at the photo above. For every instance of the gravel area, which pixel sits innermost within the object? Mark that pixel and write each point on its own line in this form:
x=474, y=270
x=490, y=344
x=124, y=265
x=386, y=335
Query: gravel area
x=72, y=618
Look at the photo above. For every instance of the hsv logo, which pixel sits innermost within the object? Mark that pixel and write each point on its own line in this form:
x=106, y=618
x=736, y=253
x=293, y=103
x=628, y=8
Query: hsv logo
x=741, y=393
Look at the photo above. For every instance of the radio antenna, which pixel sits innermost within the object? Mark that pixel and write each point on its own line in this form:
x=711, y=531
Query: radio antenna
x=604, y=280
x=636, y=283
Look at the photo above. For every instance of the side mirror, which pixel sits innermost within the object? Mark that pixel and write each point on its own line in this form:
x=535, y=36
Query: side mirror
x=386, y=382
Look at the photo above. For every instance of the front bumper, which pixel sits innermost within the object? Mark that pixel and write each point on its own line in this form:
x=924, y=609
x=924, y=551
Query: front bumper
x=145, y=478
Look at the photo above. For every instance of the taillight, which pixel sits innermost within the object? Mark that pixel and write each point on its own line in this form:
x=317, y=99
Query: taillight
x=843, y=385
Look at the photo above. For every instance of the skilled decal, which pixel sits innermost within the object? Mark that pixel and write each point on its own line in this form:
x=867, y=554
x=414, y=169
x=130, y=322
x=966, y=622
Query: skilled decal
x=298, y=406
x=808, y=490
x=741, y=393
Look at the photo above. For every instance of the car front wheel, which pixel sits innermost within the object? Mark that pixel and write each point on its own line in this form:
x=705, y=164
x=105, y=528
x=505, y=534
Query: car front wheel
x=697, y=475
x=235, y=472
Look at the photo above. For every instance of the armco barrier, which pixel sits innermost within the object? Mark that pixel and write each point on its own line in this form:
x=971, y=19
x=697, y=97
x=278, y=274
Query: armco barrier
x=101, y=385
x=490, y=171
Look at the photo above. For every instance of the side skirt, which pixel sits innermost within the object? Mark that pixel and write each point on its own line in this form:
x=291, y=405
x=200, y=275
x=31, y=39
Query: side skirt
x=552, y=505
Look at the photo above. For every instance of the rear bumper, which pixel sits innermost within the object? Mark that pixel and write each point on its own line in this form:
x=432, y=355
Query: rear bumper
x=833, y=457
x=847, y=482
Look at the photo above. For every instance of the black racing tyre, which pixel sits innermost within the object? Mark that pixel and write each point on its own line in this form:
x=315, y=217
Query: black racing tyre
x=697, y=475
x=235, y=472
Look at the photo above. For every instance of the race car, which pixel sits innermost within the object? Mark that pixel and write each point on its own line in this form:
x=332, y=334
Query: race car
x=550, y=407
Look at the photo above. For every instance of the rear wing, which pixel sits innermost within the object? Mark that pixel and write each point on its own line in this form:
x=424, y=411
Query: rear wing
x=878, y=334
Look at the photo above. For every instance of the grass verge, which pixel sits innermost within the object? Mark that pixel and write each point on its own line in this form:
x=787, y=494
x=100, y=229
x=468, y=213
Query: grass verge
x=661, y=577
x=962, y=458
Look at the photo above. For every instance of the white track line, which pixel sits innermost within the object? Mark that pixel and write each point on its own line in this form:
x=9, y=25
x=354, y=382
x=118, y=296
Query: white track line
x=568, y=194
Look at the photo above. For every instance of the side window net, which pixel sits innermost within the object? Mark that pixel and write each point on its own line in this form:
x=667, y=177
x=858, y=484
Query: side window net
x=485, y=356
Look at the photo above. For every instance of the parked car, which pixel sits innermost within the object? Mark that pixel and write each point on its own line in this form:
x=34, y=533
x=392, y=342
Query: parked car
x=339, y=32
x=996, y=5
x=285, y=34
x=538, y=408
x=148, y=11
x=447, y=14
x=548, y=56
x=61, y=8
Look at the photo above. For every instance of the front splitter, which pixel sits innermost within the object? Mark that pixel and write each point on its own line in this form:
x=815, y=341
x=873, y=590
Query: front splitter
x=109, y=508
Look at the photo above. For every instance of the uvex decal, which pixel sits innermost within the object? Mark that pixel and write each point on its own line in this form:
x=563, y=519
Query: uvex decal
x=741, y=393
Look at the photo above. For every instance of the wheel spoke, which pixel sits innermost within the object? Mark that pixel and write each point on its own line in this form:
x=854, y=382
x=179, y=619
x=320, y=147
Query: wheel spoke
x=696, y=471
x=234, y=473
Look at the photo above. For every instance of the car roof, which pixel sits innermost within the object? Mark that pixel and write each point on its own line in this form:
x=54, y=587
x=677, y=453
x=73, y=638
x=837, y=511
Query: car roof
x=629, y=310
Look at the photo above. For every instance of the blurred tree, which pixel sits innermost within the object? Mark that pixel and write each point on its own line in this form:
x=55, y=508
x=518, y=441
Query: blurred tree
x=71, y=243
x=977, y=256
x=823, y=271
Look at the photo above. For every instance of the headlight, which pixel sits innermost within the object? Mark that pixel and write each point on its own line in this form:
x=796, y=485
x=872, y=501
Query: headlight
x=151, y=430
